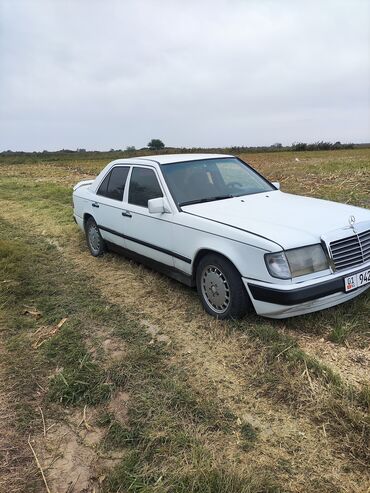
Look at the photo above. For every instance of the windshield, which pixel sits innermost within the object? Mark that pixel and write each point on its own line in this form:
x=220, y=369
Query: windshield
x=192, y=182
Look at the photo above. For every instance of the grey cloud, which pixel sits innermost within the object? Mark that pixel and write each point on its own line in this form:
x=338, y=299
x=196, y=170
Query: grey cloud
x=110, y=74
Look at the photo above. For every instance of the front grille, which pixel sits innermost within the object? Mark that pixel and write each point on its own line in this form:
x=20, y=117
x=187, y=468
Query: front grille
x=351, y=251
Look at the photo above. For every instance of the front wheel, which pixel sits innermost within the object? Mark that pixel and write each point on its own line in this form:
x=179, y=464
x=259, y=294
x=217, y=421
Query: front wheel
x=94, y=239
x=221, y=289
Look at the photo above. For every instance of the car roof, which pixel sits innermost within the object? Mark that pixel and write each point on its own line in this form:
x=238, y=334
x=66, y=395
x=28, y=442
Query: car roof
x=170, y=158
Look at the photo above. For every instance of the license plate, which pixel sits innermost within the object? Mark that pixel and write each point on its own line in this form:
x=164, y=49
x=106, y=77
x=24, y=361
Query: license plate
x=357, y=280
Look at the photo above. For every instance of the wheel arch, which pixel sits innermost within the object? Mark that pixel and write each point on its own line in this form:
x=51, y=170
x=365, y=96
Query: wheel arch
x=86, y=217
x=208, y=251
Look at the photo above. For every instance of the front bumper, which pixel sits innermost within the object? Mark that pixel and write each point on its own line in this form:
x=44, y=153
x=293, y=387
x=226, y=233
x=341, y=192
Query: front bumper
x=289, y=300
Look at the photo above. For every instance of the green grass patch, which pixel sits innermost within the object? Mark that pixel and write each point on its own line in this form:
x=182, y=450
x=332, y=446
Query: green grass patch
x=128, y=476
x=340, y=332
x=249, y=436
x=83, y=384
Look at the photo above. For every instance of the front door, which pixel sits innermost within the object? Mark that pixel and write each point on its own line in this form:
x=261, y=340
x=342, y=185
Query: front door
x=147, y=234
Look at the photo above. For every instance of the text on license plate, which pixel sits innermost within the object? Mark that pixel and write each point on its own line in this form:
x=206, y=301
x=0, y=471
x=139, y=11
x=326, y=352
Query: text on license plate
x=357, y=280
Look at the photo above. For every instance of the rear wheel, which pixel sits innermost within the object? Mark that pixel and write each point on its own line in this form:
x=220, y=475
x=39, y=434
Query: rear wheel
x=94, y=239
x=220, y=288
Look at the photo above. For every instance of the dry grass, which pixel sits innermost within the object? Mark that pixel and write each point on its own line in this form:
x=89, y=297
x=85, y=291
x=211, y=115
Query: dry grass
x=285, y=416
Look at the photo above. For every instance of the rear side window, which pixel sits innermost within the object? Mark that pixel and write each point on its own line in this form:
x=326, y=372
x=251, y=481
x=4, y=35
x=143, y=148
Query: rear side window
x=143, y=187
x=103, y=187
x=113, y=184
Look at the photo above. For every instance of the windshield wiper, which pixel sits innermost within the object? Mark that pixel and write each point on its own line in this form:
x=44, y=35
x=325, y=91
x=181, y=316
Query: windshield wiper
x=207, y=199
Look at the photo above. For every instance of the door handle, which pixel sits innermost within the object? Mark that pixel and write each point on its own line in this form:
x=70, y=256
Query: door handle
x=95, y=205
x=127, y=214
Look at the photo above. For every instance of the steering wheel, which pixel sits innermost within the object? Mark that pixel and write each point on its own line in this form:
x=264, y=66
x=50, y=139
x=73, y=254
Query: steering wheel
x=235, y=185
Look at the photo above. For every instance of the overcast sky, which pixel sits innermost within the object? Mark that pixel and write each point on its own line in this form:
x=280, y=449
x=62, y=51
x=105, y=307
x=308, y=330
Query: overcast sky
x=108, y=74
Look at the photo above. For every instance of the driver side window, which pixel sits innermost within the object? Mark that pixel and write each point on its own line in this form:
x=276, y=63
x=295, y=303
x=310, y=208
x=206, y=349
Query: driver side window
x=143, y=187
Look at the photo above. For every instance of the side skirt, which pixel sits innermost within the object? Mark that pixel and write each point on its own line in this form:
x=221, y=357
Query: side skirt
x=169, y=271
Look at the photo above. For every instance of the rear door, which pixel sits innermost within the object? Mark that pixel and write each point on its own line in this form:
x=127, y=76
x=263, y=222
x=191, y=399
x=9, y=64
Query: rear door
x=108, y=206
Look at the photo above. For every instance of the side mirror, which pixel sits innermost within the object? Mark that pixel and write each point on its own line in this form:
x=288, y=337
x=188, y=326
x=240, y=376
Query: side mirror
x=276, y=184
x=158, y=206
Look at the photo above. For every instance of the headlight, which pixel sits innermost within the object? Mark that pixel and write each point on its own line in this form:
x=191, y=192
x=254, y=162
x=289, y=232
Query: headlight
x=296, y=262
x=277, y=265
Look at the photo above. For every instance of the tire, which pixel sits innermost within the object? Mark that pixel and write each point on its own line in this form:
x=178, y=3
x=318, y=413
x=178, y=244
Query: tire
x=94, y=239
x=221, y=289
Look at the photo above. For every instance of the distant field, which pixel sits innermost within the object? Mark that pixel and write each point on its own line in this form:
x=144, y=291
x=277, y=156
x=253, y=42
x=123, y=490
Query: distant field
x=137, y=389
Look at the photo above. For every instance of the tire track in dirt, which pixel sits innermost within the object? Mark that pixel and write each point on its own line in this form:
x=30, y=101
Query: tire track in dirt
x=300, y=453
x=70, y=454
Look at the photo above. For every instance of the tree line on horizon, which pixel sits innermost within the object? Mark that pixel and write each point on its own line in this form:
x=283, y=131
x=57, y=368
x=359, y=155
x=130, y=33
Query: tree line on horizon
x=158, y=145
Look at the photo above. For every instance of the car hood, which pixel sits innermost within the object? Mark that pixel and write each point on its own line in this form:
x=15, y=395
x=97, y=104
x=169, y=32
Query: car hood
x=288, y=220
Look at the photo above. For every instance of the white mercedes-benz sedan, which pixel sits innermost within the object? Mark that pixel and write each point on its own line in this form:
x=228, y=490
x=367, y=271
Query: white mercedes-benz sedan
x=213, y=222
